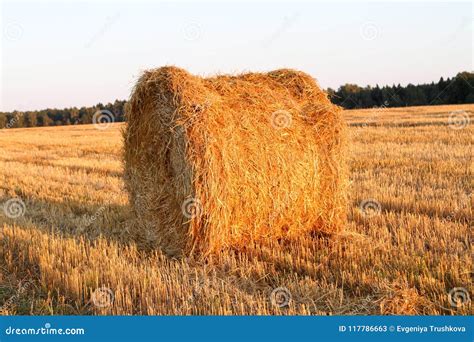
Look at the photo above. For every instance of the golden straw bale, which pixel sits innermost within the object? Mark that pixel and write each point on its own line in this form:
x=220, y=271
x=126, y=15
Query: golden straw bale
x=221, y=162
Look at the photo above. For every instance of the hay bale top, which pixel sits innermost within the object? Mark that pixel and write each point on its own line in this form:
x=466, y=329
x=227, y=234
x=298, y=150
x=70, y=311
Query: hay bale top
x=279, y=89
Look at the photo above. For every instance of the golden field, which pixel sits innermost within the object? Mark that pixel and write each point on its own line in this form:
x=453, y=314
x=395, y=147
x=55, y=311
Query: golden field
x=406, y=246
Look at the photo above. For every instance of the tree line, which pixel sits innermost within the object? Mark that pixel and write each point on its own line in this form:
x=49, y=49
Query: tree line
x=65, y=116
x=456, y=90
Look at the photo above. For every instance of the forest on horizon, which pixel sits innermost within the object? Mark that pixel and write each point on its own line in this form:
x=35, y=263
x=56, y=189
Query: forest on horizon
x=455, y=90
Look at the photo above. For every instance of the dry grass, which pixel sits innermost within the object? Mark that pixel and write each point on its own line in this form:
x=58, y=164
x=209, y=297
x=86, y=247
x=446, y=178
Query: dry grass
x=213, y=163
x=73, y=235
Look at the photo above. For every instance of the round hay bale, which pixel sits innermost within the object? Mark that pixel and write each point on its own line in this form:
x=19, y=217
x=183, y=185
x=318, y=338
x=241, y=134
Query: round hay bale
x=224, y=161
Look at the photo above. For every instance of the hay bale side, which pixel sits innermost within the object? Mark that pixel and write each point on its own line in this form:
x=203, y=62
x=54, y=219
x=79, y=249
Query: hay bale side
x=258, y=156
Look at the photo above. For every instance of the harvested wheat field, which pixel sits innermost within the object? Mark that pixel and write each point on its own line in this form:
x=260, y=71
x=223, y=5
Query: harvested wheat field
x=406, y=248
x=213, y=163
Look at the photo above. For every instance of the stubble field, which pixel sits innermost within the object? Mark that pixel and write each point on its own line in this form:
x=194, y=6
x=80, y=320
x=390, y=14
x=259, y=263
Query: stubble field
x=66, y=245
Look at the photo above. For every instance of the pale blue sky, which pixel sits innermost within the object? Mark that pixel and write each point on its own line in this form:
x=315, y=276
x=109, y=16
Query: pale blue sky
x=62, y=54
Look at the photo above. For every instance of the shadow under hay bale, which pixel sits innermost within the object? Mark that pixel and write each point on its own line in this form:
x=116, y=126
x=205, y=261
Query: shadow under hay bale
x=220, y=162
